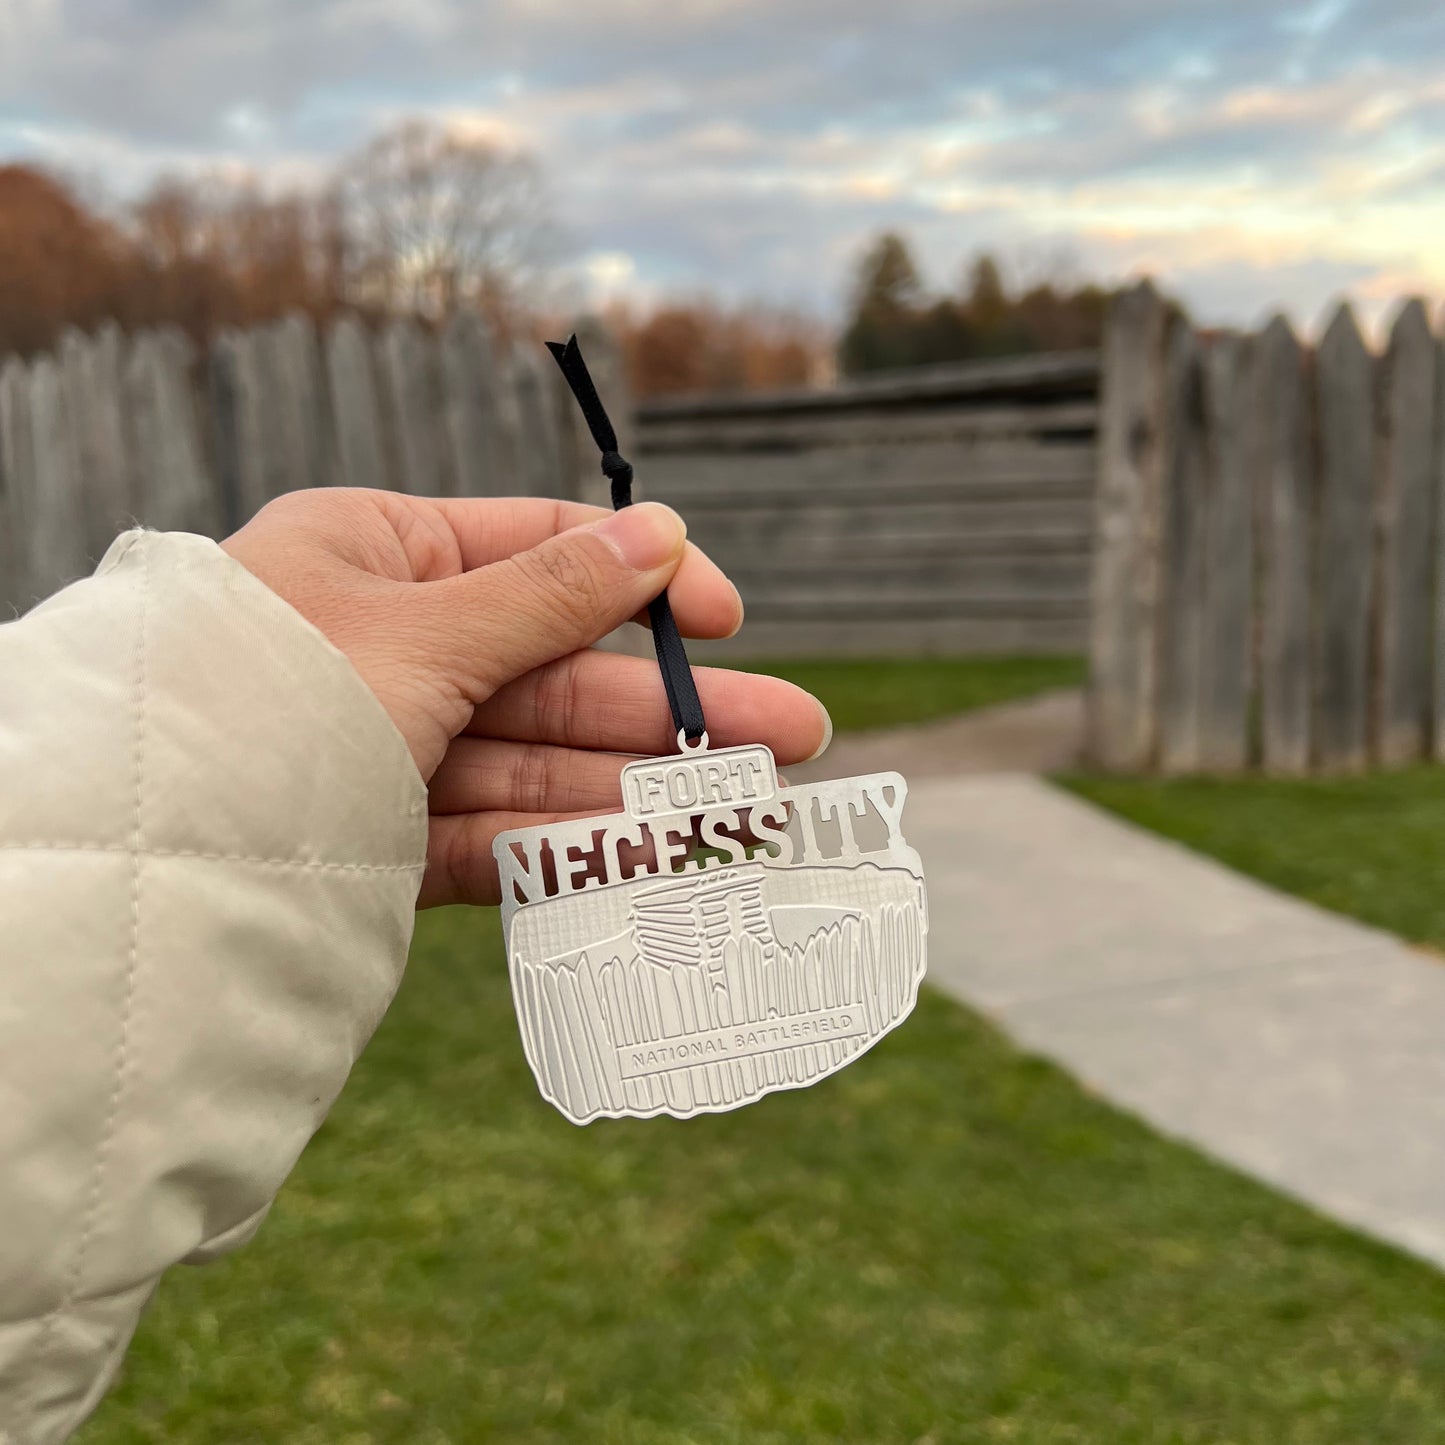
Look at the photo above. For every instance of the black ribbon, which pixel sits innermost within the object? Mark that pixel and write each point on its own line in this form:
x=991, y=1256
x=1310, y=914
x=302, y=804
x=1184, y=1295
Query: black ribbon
x=677, y=675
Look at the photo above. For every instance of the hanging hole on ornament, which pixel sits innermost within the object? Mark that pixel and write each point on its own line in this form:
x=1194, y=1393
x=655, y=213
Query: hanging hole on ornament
x=687, y=745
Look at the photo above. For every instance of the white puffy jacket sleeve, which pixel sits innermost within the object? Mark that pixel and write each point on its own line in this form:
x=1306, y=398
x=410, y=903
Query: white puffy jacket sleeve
x=211, y=841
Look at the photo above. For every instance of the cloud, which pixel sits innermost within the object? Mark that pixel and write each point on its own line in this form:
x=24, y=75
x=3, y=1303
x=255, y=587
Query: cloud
x=1248, y=151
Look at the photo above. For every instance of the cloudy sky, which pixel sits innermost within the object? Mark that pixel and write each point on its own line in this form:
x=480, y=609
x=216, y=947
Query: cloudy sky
x=1253, y=154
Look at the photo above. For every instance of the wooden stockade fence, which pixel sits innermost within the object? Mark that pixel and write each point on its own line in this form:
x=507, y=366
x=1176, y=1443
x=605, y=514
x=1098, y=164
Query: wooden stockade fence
x=110, y=430
x=1267, y=582
x=1245, y=532
x=947, y=509
x=941, y=510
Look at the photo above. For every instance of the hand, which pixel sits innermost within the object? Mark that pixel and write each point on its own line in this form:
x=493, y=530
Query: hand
x=473, y=621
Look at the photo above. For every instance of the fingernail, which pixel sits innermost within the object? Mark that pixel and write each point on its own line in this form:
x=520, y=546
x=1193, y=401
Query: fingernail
x=827, y=734
x=742, y=611
x=645, y=537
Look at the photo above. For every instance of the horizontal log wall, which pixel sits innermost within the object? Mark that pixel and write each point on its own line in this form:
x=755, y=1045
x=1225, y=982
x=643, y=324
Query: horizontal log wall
x=1267, y=583
x=113, y=430
x=941, y=510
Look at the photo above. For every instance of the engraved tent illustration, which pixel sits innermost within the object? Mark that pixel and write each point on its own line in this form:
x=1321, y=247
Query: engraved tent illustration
x=698, y=990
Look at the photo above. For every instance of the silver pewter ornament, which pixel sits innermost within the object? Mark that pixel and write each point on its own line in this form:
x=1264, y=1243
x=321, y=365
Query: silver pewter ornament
x=720, y=939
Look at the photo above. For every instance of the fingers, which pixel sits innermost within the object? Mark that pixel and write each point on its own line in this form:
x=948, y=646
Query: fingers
x=704, y=602
x=482, y=775
x=487, y=627
x=483, y=628
x=459, y=863
x=606, y=702
x=489, y=530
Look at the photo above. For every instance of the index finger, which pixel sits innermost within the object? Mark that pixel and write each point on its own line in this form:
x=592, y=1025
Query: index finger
x=611, y=703
x=491, y=529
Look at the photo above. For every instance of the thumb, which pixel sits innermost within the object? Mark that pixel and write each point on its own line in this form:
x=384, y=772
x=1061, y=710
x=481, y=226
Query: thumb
x=500, y=621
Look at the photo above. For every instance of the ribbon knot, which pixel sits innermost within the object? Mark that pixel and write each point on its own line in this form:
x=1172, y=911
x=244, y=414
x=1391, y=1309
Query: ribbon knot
x=677, y=678
x=618, y=470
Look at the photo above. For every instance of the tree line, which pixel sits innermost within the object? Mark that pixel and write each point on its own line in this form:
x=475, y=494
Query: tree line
x=420, y=220
x=423, y=219
x=895, y=322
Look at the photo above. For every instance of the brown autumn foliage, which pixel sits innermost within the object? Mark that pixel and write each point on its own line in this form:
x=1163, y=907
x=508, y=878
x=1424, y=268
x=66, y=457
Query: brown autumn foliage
x=59, y=264
x=420, y=219
x=207, y=259
x=198, y=259
x=696, y=346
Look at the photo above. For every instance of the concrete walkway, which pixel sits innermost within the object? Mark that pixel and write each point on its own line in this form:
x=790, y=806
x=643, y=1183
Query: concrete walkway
x=1302, y=1048
x=1041, y=734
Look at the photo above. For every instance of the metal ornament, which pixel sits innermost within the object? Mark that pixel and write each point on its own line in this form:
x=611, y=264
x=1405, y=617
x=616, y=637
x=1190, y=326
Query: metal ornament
x=720, y=939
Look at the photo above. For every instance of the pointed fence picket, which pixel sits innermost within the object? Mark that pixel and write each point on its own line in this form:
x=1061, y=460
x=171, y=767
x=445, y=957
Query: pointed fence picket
x=945, y=510
x=1247, y=531
x=1267, y=569
x=113, y=430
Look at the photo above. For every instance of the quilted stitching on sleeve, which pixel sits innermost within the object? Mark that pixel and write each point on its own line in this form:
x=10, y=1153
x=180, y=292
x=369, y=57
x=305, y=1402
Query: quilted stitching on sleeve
x=211, y=837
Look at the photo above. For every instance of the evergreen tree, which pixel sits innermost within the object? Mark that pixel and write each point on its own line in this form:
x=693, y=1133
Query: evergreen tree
x=991, y=314
x=894, y=323
x=882, y=331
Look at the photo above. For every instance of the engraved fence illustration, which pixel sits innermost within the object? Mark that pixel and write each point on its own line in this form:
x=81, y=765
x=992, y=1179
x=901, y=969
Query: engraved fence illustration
x=703, y=1005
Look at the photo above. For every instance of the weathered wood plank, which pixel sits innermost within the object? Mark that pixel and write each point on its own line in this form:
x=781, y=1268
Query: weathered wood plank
x=1346, y=408
x=931, y=466
x=1058, y=423
x=1227, y=627
x=116, y=475
x=841, y=600
x=1183, y=534
x=304, y=430
x=176, y=491
x=70, y=360
x=908, y=637
x=195, y=495
x=360, y=445
x=509, y=421
x=483, y=450
x=17, y=487
x=223, y=427
x=1030, y=377
x=904, y=492
x=55, y=513
x=539, y=458
x=983, y=517
x=91, y=371
x=260, y=462
x=1281, y=447
x=1404, y=562
x=976, y=512
x=1123, y=639
x=414, y=383
x=893, y=542
x=999, y=576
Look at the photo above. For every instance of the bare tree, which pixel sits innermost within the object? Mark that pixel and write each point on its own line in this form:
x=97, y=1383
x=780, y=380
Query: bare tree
x=212, y=252
x=435, y=218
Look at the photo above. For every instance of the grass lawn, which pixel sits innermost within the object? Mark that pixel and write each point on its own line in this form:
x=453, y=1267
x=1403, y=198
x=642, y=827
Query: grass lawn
x=947, y=1243
x=1373, y=846
x=881, y=693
